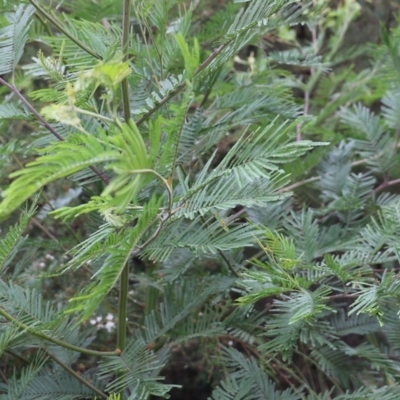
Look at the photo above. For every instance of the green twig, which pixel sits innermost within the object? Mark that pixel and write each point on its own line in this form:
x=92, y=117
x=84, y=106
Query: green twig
x=125, y=58
x=161, y=178
x=76, y=375
x=43, y=13
x=94, y=115
x=43, y=22
x=124, y=279
x=61, y=343
x=181, y=86
x=317, y=178
x=227, y=262
x=223, y=256
x=122, y=307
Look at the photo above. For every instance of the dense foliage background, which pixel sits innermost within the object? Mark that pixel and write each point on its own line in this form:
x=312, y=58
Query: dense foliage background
x=199, y=199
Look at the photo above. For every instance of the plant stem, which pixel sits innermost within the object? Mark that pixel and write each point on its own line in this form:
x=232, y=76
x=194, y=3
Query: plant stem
x=125, y=57
x=181, y=86
x=161, y=178
x=16, y=355
x=298, y=184
x=122, y=308
x=44, y=23
x=32, y=109
x=228, y=263
x=47, y=232
x=223, y=256
x=307, y=91
x=61, y=343
x=163, y=220
x=124, y=279
x=42, y=12
x=353, y=164
x=76, y=375
x=94, y=115
x=387, y=183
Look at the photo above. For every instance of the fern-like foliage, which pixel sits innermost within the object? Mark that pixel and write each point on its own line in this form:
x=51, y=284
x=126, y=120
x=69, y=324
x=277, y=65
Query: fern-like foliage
x=13, y=37
x=13, y=240
x=138, y=369
x=247, y=381
x=189, y=203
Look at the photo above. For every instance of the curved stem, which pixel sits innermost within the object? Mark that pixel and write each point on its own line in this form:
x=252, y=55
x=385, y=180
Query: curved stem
x=32, y=109
x=160, y=226
x=43, y=13
x=163, y=181
x=61, y=343
x=76, y=375
x=94, y=115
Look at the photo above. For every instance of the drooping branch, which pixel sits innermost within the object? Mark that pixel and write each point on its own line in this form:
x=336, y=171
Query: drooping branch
x=51, y=339
x=32, y=109
x=45, y=15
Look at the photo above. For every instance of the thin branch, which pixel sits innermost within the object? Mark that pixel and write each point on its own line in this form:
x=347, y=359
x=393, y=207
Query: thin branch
x=46, y=231
x=228, y=263
x=160, y=226
x=209, y=90
x=42, y=12
x=387, y=183
x=163, y=181
x=31, y=109
x=76, y=375
x=223, y=256
x=4, y=377
x=305, y=112
x=307, y=92
x=298, y=184
x=124, y=278
x=344, y=296
x=94, y=115
x=318, y=368
x=61, y=343
x=17, y=355
x=165, y=100
x=49, y=203
x=235, y=216
x=181, y=86
x=125, y=58
x=29, y=106
x=122, y=307
x=353, y=164
x=163, y=219
x=44, y=23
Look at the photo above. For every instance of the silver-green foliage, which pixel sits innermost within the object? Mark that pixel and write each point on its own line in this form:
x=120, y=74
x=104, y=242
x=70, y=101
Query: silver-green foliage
x=160, y=188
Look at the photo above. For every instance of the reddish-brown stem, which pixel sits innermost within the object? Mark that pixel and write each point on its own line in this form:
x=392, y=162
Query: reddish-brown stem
x=386, y=183
x=32, y=109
